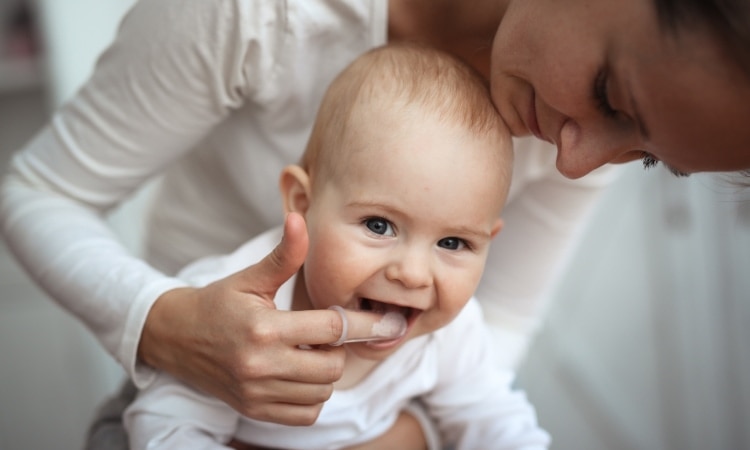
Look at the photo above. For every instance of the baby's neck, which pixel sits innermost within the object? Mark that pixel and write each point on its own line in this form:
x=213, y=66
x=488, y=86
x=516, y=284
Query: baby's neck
x=355, y=370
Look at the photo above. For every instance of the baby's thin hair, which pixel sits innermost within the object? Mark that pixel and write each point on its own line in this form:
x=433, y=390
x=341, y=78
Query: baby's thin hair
x=399, y=76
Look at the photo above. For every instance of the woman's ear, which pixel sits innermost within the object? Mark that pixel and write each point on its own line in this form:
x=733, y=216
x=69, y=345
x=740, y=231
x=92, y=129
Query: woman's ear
x=295, y=189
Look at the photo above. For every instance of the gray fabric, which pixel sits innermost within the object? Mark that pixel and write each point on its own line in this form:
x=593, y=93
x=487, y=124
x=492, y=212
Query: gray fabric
x=429, y=428
x=108, y=432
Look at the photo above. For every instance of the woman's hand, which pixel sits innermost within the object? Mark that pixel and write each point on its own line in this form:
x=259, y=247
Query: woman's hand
x=229, y=340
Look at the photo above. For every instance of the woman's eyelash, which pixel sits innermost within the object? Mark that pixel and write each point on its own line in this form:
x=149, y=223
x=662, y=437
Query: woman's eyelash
x=600, y=94
x=648, y=160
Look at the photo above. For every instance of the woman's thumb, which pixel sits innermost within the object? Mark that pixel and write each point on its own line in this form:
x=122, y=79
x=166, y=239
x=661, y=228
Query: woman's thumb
x=285, y=260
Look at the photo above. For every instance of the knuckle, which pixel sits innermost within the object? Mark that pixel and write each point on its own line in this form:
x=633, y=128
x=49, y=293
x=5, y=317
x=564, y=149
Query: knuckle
x=252, y=402
x=247, y=410
x=308, y=420
x=335, y=325
x=336, y=368
x=263, y=334
x=325, y=394
x=310, y=415
x=277, y=257
x=253, y=412
x=250, y=395
x=254, y=368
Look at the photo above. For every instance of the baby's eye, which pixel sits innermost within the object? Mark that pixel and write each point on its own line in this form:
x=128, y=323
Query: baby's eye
x=452, y=243
x=378, y=225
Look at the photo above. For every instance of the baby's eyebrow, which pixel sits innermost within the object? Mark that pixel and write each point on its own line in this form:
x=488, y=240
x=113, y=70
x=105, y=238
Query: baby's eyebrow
x=373, y=204
x=469, y=231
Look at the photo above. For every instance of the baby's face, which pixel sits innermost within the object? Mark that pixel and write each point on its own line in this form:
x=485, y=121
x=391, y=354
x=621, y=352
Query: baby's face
x=407, y=227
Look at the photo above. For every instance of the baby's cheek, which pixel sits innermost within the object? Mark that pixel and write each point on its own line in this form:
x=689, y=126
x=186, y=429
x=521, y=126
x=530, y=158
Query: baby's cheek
x=436, y=319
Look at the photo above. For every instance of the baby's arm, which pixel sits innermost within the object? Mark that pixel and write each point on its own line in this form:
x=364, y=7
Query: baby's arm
x=473, y=403
x=170, y=415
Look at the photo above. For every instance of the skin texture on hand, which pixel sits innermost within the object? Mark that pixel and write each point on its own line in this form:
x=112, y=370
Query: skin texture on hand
x=229, y=340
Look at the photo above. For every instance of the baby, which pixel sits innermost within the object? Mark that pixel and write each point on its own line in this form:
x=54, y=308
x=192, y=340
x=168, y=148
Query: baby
x=401, y=188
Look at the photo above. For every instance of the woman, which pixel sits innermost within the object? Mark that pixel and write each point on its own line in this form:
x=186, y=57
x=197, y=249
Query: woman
x=219, y=96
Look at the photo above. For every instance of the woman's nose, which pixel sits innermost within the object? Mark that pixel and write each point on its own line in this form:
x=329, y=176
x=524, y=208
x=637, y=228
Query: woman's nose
x=411, y=268
x=580, y=150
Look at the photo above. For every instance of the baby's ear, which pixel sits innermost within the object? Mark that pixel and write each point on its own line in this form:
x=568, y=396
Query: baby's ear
x=295, y=189
x=496, y=227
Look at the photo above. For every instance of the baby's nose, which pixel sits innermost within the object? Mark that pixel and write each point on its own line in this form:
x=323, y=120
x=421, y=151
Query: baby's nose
x=411, y=268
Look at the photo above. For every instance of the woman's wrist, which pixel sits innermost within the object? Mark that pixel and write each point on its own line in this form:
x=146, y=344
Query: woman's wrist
x=158, y=338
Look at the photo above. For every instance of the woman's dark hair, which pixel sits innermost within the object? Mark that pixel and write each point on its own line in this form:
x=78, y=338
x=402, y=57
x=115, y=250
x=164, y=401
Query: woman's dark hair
x=727, y=19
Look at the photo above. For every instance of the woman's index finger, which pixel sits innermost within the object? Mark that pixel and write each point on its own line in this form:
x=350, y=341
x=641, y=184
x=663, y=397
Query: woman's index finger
x=337, y=326
x=313, y=327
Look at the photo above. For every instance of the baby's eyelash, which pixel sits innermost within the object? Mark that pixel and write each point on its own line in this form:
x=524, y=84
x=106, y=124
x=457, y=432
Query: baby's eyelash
x=648, y=160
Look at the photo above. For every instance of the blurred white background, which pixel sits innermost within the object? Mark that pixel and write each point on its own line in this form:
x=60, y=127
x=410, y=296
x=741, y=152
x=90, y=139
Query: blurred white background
x=644, y=343
x=53, y=374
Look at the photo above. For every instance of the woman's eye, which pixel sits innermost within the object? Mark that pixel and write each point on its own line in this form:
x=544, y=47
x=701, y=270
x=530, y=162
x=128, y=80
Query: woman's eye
x=452, y=243
x=600, y=95
x=378, y=225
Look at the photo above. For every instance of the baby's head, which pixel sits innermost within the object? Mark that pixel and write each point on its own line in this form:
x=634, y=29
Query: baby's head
x=399, y=85
x=402, y=184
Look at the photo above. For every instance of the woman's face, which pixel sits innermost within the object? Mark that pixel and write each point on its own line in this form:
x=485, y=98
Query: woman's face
x=605, y=83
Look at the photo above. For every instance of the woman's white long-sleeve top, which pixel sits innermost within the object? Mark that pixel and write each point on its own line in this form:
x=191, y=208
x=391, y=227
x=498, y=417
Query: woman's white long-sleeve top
x=218, y=96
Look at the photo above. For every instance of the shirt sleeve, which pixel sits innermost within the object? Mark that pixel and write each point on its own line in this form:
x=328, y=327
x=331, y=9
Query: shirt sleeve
x=175, y=70
x=169, y=415
x=543, y=222
x=473, y=403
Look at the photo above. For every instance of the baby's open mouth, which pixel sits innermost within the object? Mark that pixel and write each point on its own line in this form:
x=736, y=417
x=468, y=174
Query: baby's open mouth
x=368, y=304
x=358, y=326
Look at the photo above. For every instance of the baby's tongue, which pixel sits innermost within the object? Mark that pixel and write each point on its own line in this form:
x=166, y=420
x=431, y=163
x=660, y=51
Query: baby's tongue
x=392, y=326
